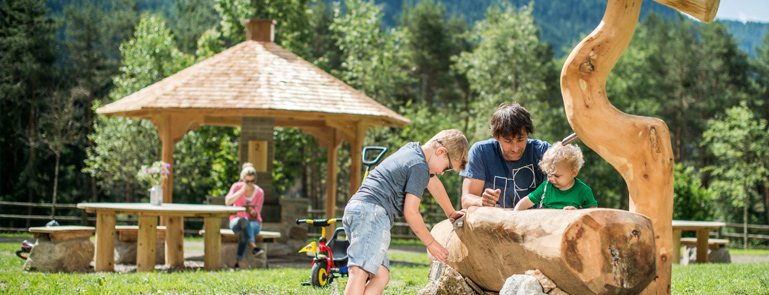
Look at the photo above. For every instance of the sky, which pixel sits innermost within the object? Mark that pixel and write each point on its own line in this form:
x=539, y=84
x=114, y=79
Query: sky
x=744, y=10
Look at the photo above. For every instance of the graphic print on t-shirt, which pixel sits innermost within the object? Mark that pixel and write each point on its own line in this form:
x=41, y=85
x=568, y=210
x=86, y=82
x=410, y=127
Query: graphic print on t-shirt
x=515, y=188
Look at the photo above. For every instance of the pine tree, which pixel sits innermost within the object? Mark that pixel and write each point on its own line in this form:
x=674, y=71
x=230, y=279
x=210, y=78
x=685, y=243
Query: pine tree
x=28, y=70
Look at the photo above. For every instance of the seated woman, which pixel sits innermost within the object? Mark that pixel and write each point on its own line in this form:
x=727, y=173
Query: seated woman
x=246, y=193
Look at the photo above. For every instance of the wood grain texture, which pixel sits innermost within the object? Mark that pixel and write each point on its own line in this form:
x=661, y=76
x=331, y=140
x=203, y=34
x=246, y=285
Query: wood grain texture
x=590, y=251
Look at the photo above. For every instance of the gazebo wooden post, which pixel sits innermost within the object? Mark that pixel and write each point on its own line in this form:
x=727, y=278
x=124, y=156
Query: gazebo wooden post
x=356, y=150
x=331, y=162
x=331, y=139
x=171, y=129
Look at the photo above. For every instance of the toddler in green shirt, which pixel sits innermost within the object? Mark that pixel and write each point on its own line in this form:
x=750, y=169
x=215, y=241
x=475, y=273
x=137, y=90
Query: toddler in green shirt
x=562, y=190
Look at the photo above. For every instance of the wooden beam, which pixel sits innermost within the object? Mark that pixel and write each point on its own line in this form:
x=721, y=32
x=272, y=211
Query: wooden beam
x=356, y=160
x=331, y=162
x=704, y=10
x=326, y=137
x=171, y=129
x=377, y=120
x=291, y=122
x=638, y=147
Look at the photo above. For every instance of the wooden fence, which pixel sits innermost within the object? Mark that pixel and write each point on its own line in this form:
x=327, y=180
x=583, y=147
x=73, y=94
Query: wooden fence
x=736, y=235
x=15, y=222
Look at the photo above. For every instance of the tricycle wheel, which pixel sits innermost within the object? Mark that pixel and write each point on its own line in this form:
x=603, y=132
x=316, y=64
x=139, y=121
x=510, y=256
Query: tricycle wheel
x=320, y=276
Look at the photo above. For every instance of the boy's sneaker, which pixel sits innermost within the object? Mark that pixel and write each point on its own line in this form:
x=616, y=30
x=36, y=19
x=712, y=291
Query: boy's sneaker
x=257, y=251
x=236, y=266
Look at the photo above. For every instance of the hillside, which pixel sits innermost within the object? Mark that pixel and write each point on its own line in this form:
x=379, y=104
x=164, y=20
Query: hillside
x=564, y=22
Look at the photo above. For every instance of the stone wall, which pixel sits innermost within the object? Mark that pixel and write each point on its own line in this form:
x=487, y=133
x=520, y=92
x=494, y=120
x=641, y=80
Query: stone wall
x=261, y=128
x=292, y=236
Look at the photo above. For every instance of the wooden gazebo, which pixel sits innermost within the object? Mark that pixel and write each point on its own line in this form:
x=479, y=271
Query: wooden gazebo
x=258, y=85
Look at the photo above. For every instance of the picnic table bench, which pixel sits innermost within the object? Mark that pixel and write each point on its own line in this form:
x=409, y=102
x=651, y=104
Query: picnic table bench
x=61, y=249
x=148, y=221
x=230, y=247
x=703, y=229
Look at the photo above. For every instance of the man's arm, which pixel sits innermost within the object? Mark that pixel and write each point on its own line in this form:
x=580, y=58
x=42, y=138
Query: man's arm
x=473, y=194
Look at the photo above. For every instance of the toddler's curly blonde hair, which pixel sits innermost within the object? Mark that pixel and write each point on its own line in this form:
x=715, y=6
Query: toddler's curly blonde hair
x=557, y=153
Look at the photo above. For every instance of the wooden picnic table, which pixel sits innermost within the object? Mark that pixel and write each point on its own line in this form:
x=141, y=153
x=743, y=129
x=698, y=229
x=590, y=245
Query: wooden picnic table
x=703, y=229
x=148, y=221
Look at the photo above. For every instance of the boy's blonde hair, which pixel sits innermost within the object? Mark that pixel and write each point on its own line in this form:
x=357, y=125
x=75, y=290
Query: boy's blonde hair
x=455, y=142
x=557, y=153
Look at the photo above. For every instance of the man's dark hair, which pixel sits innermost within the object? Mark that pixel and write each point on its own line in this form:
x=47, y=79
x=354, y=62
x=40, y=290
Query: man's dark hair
x=509, y=120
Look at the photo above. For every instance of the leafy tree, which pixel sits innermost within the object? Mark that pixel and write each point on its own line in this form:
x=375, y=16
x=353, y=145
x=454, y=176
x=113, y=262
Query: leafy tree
x=28, y=72
x=429, y=45
x=324, y=52
x=692, y=201
x=740, y=145
x=210, y=43
x=292, y=30
x=123, y=145
x=59, y=128
x=88, y=59
x=189, y=19
x=509, y=64
x=761, y=66
x=206, y=163
x=684, y=73
x=370, y=55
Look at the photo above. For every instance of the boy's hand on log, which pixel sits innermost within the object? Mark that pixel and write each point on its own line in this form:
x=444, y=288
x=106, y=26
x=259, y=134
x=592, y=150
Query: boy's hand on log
x=569, y=208
x=457, y=214
x=438, y=252
x=490, y=197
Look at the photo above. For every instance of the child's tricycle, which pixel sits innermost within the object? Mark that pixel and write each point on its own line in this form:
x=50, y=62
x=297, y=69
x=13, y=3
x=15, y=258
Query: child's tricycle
x=331, y=258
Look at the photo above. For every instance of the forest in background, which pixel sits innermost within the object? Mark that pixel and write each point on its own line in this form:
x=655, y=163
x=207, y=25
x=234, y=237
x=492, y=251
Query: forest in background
x=438, y=69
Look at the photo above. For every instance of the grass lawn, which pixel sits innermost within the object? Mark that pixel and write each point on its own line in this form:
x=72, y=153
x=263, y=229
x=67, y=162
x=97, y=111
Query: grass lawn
x=687, y=279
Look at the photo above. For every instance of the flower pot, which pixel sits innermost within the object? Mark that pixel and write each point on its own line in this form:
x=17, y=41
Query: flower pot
x=156, y=195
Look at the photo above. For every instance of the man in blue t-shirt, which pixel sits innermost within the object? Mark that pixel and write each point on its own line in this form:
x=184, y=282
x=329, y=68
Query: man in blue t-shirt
x=504, y=169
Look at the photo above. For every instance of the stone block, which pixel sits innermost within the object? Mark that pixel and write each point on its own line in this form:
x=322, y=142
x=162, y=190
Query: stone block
x=125, y=252
x=521, y=285
x=718, y=255
x=250, y=261
x=70, y=255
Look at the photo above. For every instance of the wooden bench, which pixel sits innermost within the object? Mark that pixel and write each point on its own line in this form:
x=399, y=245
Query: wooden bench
x=712, y=243
x=230, y=247
x=61, y=249
x=62, y=232
x=126, y=247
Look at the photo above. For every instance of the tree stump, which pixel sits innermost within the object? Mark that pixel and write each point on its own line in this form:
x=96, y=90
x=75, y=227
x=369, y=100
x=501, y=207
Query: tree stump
x=589, y=251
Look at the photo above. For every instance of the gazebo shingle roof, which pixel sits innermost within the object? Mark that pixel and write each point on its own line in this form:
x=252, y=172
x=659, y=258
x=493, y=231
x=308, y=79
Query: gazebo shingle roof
x=256, y=76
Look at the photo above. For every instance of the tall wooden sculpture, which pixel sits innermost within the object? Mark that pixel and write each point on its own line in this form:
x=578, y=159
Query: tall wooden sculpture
x=638, y=147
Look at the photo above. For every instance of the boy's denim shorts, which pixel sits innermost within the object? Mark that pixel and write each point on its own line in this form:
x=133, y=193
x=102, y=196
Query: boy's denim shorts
x=368, y=228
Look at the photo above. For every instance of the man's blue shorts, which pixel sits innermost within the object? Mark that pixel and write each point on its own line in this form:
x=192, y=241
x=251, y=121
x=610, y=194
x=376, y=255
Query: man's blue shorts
x=368, y=228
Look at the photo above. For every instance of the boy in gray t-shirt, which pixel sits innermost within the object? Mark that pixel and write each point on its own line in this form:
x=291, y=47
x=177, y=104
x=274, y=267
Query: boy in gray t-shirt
x=394, y=189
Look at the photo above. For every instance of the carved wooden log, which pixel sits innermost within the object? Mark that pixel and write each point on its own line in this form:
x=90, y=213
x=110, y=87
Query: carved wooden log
x=638, y=147
x=589, y=251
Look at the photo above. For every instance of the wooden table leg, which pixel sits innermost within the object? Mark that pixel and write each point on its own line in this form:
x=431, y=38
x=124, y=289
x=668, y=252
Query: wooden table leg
x=146, y=243
x=105, y=242
x=702, y=245
x=174, y=241
x=212, y=243
x=677, y=246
